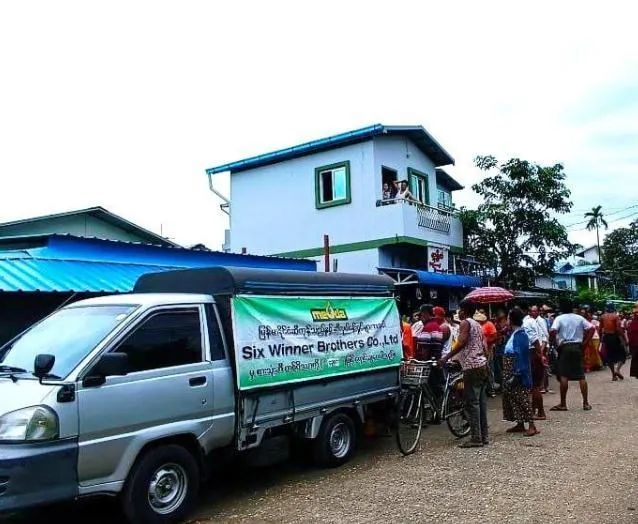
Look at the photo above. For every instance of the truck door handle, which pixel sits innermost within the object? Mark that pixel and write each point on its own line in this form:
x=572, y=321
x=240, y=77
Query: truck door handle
x=197, y=381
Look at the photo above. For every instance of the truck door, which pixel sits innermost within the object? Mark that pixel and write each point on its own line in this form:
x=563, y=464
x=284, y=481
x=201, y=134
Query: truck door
x=166, y=392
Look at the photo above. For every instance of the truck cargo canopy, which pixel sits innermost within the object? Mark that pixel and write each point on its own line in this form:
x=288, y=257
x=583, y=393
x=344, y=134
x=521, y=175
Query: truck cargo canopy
x=234, y=280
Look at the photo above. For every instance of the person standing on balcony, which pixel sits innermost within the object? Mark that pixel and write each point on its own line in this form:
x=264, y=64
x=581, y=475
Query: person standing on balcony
x=403, y=193
x=388, y=194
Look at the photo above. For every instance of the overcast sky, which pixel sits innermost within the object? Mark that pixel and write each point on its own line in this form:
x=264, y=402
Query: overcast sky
x=124, y=104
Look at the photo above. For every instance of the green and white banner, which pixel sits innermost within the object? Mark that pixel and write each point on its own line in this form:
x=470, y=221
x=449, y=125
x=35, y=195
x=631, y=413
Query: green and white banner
x=279, y=340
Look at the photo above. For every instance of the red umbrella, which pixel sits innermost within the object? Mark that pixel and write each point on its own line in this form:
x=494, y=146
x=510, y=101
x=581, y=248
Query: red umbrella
x=489, y=295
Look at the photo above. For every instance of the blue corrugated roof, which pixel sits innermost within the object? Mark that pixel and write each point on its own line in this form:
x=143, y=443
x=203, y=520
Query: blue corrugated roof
x=417, y=134
x=71, y=264
x=24, y=274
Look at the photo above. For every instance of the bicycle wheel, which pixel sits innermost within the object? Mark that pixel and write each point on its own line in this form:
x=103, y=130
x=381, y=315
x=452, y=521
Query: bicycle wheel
x=409, y=420
x=456, y=419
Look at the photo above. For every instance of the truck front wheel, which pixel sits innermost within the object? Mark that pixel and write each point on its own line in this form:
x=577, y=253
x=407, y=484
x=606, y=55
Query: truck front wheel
x=162, y=487
x=336, y=442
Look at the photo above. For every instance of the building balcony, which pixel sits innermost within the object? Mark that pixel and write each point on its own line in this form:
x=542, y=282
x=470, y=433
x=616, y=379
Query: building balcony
x=412, y=219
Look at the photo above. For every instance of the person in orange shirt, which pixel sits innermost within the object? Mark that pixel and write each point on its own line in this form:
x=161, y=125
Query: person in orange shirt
x=491, y=335
x=407, y=341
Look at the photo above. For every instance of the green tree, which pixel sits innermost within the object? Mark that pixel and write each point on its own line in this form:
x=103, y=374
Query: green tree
x=621, y=255
x=515, y=230
x=596, y=221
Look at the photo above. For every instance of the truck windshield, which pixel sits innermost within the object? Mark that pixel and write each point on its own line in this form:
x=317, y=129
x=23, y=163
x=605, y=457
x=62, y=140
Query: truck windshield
x=69, y=334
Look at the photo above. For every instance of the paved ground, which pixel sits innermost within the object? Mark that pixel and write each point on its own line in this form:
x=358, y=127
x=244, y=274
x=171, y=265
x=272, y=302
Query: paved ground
x=583, y=467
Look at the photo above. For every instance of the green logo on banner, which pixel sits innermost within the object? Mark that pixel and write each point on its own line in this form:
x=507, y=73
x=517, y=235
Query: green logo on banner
x=328, y=313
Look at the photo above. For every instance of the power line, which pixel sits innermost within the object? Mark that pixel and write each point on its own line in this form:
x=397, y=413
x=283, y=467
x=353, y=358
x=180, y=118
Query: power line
x=607, y=215
x=630, y=215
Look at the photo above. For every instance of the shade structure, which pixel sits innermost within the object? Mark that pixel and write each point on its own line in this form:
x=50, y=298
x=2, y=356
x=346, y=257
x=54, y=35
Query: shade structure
x=489, y=295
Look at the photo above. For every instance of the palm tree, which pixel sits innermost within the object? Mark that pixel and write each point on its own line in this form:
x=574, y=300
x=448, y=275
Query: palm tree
x=596, y=220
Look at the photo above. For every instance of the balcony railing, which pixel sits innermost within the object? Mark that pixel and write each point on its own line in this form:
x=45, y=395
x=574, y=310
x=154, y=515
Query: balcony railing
x=438, y=219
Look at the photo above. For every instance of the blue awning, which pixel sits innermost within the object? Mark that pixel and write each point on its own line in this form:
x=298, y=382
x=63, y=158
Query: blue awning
x=403, y=276
x=32, y=274
x=428, y=278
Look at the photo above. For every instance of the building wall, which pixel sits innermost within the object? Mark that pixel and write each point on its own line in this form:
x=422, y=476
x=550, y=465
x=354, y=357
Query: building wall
x=78, y=225
x=273, y=207
x=364, y=261
x=590, y=256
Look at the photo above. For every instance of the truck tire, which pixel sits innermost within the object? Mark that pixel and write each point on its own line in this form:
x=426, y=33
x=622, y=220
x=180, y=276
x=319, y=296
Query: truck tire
x=336, y=442
x=162, y=487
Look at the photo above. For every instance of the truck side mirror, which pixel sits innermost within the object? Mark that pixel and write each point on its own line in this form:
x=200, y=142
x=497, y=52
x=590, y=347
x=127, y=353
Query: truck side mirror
x=43, y=365
x=109, y=365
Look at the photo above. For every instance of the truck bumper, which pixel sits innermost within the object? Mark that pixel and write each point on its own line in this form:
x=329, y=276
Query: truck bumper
x=33, y=474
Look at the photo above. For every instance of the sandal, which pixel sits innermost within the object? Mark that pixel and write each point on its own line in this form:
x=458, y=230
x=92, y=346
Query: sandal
x=538, y=417
x=471, y=444
x=516, y=429
x=531, y=433
x=559, y=408
x=587, y=407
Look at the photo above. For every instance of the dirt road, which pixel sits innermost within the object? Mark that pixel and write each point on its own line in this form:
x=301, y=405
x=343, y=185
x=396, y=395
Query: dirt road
x=583, y=467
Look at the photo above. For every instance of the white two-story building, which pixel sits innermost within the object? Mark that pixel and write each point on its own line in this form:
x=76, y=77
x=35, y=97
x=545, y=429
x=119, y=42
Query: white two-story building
x=286, y=202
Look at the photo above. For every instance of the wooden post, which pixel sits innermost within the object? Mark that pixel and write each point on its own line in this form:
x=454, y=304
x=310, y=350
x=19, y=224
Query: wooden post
x=326, y=253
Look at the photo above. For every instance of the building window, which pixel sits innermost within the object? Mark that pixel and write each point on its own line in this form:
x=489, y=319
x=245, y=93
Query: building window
x=419, y=185
x=332, y=185
x=444, y=198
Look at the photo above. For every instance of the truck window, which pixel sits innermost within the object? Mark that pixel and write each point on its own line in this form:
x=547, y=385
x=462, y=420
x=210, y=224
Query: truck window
x=164, y=340
x=214, y=335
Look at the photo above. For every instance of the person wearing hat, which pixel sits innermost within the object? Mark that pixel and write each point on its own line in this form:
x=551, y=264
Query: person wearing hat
x=469, y=351
x=632, y=338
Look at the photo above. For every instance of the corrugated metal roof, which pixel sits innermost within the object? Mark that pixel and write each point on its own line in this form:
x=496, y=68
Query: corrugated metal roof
x=102, y=214
x=581, y=270
x=424, y=141
x=32, y=274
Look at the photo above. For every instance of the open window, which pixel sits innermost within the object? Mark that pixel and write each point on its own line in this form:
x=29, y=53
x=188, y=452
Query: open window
x=418, y=182
x=388, y=179
x=332, y=185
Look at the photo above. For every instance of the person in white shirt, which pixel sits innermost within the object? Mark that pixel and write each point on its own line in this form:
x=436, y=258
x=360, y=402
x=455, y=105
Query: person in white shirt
x=403, y=193
x=571, y=333
x=535, y=334
x=543, y=333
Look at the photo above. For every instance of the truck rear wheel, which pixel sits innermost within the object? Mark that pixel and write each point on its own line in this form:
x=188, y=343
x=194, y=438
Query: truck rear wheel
x=162, y=487
x=336, y=442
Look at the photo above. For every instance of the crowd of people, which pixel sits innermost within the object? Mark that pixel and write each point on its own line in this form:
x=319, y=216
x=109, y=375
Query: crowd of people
x=516, y=352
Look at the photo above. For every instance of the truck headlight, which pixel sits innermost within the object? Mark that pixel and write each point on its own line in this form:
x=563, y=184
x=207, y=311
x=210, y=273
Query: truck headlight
x=32, y=424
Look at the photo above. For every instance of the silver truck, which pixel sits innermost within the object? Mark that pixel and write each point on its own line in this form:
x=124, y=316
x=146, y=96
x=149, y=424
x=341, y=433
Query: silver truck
x=131, y=395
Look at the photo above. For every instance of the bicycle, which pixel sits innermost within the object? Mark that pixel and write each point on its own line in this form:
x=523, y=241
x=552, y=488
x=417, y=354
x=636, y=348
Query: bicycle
x=417, y=400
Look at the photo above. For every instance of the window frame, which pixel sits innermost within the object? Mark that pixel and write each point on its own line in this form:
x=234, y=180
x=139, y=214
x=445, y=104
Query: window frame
x=448, y=193
x=416, y=175
x=331, y=167
x=147, y=315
